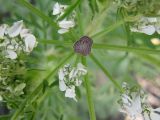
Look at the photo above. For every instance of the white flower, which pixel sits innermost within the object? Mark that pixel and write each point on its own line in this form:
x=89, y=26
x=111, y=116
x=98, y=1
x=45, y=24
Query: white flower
x=58, y=9
x=70, y=92
x=15, y=29
x=62, y=31
x=17, y=38
x=62, y=85
x=132, y=106
x=81, y=68
x=11, y=54
x=30, y=42
x=154, y=114
x=61, y=74
x=65, y=25
x=78, y=82
x=2, y=30
x=73, y=73
x=69, y=78
x=24, y=32
x=149, y=30
x=147, y=25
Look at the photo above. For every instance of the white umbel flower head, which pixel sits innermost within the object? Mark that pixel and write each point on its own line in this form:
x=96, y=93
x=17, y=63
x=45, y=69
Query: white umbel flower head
x=17, y=38
x=65, y=24
x=69, y=78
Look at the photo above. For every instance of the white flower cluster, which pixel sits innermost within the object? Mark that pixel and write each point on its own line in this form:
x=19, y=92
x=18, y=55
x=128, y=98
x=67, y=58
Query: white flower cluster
x=65, y=24
x=134, y=106
x=147, y=25
x=15, y=39
x=69, y=78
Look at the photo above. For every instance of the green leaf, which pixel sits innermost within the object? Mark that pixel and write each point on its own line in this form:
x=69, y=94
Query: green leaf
x=93, y=5
x=78, y=93
x=69, y=10
x=37, y=12
x=45, y=86
x=19, y=88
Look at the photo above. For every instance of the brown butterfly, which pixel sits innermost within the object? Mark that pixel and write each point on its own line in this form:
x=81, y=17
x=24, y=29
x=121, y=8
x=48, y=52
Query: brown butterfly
x=83, y=46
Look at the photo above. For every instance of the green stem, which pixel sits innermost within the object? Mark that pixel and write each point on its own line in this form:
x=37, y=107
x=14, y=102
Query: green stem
x=106, y=72
x=89, y=94
x=37, y=12
x=124, y=48
x=56, y=42
x=114, y=26
x=38, y=88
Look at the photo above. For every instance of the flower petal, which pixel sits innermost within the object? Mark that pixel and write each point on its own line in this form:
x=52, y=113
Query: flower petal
x=70, y=92
x=62, y=85
x=24, y=33
x=30, y=42
x=66, y=24
x=15, y=29
x=61, y=74
x=11, y=54
x=149, y=30
x=2, y=30
x=62, y=31
x=73, y=73
x=78, y=82
x=81, y=68
x=56, y=9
